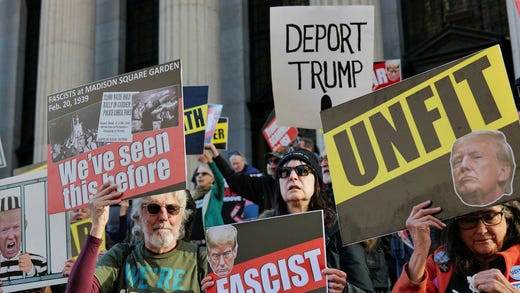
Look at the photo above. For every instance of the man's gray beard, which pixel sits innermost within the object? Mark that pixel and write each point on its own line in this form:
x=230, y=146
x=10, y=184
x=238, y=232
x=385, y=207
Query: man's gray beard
x=326, y=178
x=162, y=239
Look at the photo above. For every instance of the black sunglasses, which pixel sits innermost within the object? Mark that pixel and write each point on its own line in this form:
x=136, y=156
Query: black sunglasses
x=154, y=209
x=301, y=170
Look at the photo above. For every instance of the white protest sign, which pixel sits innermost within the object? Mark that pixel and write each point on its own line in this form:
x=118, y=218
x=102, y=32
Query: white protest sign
x=318, y=51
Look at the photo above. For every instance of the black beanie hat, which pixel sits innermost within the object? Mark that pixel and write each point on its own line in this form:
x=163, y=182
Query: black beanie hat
x=9, y=203
x=305, y=156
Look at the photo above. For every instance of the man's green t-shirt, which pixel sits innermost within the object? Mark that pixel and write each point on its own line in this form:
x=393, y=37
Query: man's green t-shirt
x=132, y=268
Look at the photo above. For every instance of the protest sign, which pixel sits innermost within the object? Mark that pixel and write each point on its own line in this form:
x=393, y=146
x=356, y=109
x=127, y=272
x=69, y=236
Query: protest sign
x=276, y=135
x=386, y=73
x=154, y=161
x=261, y=258
x=220, y=137
x=79, y=230
x=319, y=52
x=40, y=235
x=195, y=115
x=392, y=149
x=214, y=111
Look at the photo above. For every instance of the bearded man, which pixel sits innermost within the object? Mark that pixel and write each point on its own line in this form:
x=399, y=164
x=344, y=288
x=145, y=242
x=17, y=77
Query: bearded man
x=160, y=261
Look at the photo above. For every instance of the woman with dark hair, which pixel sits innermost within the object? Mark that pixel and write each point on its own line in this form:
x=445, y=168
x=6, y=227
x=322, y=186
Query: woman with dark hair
x=479, y=252
x=301, y=189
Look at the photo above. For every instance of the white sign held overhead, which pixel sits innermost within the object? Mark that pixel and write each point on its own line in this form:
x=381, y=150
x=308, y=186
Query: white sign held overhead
x=319, y=51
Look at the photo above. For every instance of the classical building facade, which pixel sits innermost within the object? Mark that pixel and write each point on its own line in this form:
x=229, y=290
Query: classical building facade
x=49, y=46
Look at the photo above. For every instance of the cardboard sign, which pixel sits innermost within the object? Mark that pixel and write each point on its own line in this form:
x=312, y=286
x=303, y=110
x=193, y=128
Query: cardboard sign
x=392, y=149
x=195, y=116
x=265, y=258
x=220, y=137
x=153, y=161
x=319, y=52
x=42, y=236
x=276, y=135
x=78, y=234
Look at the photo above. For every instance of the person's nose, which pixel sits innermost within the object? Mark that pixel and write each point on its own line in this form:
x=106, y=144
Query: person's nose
x=11, y=234
x=481, y=227
x=464, y=164
x=293, y=175
x=221, y=260
x=163, y=214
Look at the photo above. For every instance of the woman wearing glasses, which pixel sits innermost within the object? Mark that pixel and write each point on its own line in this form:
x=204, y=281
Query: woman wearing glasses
x=301, y=189
x=480, y=251
x=208, y=196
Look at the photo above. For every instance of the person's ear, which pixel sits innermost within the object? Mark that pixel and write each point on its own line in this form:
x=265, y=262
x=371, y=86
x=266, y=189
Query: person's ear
x=503, y=172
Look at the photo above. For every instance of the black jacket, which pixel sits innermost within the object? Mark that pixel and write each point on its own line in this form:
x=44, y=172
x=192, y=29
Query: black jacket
x=259, y=190
x=350, y=259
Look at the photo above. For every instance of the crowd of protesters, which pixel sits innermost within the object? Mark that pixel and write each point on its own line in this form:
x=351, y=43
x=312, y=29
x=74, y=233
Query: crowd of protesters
x=168, y=232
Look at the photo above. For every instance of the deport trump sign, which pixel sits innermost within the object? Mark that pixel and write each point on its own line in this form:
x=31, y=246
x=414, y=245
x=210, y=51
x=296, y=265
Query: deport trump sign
x=319, y=53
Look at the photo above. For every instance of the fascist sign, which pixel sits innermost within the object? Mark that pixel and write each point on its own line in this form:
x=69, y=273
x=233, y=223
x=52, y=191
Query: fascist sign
x=261, y=256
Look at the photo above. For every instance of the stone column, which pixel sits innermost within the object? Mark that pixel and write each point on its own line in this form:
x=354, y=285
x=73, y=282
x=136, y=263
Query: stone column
x=110, y=38
x=66, y=60
x=12, y=53
x=189, y=30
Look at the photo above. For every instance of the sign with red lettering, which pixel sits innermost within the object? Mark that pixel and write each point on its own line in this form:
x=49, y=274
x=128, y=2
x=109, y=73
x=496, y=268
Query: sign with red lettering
x=319, y=55
x=386, y=73
x=142, y=148
x=252, y=256
x=413, y=141
x=276, y=135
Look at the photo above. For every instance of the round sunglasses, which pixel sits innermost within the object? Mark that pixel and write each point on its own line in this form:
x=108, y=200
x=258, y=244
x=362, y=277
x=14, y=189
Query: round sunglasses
x=154, y=209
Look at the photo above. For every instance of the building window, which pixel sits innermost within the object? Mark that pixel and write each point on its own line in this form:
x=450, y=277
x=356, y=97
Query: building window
x=142, y=34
